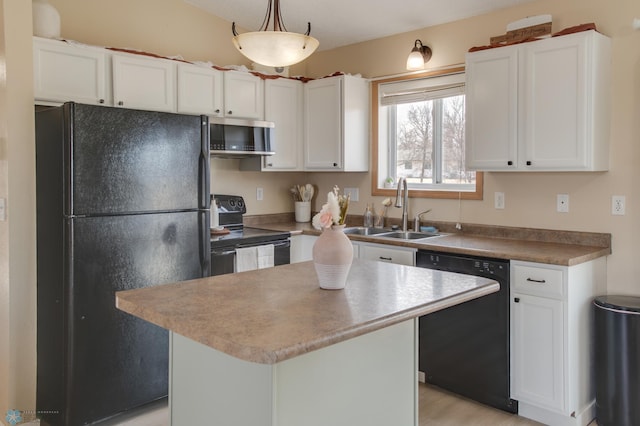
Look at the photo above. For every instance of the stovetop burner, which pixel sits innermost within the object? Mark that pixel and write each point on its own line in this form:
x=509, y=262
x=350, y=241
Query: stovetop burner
x=231, y=209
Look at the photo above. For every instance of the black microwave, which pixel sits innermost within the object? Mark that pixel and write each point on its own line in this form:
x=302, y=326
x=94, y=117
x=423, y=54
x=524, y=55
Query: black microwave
x=232, y=137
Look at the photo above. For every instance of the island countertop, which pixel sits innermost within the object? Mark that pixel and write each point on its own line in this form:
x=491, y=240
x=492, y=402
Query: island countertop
x=270, y=315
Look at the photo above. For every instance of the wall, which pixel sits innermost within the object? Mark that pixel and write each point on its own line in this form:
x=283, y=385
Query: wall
x=17, y=234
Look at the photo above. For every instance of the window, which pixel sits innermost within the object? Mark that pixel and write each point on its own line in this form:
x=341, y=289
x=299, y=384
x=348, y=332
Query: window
x=420, y=124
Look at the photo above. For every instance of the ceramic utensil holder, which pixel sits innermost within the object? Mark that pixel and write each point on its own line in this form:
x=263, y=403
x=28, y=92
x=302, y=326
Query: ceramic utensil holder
x=303, y=211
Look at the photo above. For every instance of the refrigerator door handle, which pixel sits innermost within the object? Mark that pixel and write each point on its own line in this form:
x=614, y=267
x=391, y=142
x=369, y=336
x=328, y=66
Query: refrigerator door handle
x=205, y=198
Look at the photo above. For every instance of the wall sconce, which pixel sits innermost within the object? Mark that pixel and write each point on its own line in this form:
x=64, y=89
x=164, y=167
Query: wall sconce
x=420, y=55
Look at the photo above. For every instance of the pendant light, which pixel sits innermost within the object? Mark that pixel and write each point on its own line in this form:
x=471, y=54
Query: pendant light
x=276, y=47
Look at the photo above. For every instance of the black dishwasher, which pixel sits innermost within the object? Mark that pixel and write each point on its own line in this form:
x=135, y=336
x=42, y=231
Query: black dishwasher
x=465, y=348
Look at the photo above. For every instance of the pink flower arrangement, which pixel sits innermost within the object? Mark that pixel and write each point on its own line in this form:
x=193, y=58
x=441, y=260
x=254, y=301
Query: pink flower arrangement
x=333, y=212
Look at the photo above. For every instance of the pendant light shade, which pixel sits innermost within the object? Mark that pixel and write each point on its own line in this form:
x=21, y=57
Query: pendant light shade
x=275, y=47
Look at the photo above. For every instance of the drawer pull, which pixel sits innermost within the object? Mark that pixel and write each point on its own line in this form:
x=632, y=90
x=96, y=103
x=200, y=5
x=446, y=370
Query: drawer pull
x=516, y=299
x=536, y=281
x=386, y=258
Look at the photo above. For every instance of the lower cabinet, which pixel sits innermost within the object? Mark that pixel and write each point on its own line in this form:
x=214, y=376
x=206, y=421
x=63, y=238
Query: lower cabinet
x=302, y=248
x=552, y=340
x=386, y=253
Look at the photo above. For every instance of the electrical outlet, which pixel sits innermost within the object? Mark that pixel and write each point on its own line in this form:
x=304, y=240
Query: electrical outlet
x=259, y=194
x=498, y=200
x=354, y=193
x=618, y=204
x=563, y=203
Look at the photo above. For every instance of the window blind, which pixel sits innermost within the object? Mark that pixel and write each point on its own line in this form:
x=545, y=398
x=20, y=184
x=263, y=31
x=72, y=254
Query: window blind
x=408, y=91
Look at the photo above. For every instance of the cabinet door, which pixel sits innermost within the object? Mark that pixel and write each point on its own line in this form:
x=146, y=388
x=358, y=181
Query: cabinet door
x=243, y=95
x=199, y=90
x=537, y=336
x=323, y=124
x=144, y=83
x=65, y=72
x=555, y=98
x=302, y=248
x=388, y=254
x=492, y=109
x=283, y=106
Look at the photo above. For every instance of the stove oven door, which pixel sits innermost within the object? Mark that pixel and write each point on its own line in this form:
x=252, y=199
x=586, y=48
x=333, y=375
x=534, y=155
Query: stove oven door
x=223, y=258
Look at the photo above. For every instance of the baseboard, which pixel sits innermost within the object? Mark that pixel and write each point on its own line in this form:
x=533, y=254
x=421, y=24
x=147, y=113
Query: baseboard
x=553, y=418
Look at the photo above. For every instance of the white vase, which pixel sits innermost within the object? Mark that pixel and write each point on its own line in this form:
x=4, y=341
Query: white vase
x=46, y=19
x=332, y=257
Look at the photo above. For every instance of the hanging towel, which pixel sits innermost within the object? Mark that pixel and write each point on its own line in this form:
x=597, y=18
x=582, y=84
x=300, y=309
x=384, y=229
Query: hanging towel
x=265, y=256
x=246, y=259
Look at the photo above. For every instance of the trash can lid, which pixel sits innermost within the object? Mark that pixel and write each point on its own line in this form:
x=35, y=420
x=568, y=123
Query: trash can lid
x=621, y=303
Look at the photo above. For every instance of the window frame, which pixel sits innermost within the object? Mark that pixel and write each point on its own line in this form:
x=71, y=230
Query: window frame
x=375, y=146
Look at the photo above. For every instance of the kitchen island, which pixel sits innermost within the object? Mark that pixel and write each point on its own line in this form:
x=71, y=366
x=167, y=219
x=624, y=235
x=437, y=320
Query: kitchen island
x=269, y=347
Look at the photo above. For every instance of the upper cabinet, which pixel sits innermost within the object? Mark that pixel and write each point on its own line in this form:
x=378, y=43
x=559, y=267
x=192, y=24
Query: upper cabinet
x=244, y=95
x=540, y=106
x=200, y=90
x=141, y=82
x=283, y=106
x=321, y=125
x=336, y=118
x=67, y=72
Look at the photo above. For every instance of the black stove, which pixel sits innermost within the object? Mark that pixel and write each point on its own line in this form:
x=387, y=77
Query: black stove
x=231, y=210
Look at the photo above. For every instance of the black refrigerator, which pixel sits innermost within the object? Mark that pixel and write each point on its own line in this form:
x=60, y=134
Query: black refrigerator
x=122, y=203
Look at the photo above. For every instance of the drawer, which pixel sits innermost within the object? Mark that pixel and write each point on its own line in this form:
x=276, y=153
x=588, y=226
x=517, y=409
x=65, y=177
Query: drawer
x=537, y=280
x=390, y=255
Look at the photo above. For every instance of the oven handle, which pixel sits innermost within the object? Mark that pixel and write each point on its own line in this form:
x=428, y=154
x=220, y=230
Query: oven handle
x=285, y=243
x=275, y=244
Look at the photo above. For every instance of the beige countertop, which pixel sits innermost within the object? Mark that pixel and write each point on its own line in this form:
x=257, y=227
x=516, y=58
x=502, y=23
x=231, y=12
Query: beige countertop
x=270, y=315
x=532, y=245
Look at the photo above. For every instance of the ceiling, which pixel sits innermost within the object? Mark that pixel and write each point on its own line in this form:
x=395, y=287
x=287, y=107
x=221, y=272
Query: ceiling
x=338, y=23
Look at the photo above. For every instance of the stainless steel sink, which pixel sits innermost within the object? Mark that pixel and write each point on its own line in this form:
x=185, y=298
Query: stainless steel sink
x=361, y=230
x=387, y=233
x=409, y=235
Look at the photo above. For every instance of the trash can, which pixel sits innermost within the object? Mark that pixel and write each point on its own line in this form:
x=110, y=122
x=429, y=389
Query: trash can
x=617, y=360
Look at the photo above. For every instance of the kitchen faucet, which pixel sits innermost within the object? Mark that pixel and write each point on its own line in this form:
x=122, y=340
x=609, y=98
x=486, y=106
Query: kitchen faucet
x=402, y=186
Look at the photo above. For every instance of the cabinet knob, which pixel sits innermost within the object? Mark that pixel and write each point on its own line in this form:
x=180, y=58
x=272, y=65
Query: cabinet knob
x=101, y=101
x=509, y=163
x=217, y=111
x=229, y=112
x=528, y=163
x=269, y=164
x=335, y=164
x=516, y=299
x=120, y=103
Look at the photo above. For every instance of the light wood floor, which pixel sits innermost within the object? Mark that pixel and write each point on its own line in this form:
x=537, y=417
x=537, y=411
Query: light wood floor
x=437, y=408
x=441, y=408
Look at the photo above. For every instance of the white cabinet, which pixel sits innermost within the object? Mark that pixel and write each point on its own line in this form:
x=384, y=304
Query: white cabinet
x=552, y=340
x=243, y=95
x=540, y=106
x=336, y=118
x=387, y=253
x=283, y=106
x=69, y=72
x=302, y=248
x=144, y=83
x=200, y=90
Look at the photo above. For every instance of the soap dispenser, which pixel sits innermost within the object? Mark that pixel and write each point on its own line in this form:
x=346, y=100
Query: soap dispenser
x=368, y=216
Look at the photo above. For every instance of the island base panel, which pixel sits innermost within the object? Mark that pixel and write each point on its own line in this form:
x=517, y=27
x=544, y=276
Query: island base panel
x=370, y=379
